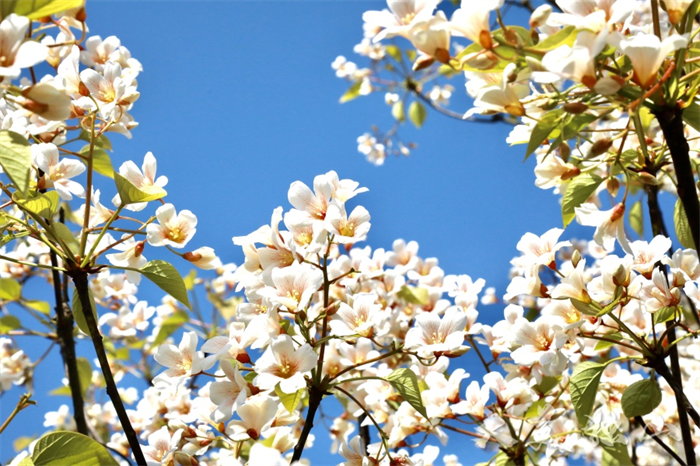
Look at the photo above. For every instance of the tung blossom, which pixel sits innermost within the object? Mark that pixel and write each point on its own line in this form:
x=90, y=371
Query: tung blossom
x=284, y=364
x=610, y=224
x=58, y=173
x=175, y=230
x=647, y=53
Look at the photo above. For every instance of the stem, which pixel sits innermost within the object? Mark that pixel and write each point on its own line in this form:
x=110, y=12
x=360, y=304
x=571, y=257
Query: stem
x=64, y=331
x=80, y=279
x=88, y=189
x=315, y=397
x=365, y=438
x=24, y=401
x=655, y=437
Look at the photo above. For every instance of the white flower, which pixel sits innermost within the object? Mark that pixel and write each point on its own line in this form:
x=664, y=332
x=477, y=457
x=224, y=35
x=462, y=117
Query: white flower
x=434, y=335
x=140, y=179
x=647, y=52
x=293, y=286
x=609, y=225
x=358, y=319
x=183, y=360
x=282, y=363
x=175, y=230
x=161, y=446
x=131, y=256
x=15, y=53
x=227, y=394
x=256, y=416
x=347, y=229
x=398, y=21
x=58, y=174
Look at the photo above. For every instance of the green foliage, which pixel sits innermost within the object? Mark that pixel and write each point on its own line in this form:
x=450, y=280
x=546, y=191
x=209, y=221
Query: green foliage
x=584, y=387
x=63, y=448
x=77, y=308
x=665, y=314
x=579, y=190
x=9, y=322
x=566, y=36
x=35, y=9
x=65, y=236
x=413, y=295
x=547, y=384
x=603, y=345
x=680, y=221
x=38, y=205
x=641, y=398
x=398, y=112
x=15, y=154
x=636, y=218
x=10, y=289
x=101, y=162
x=543, y=129
x=417, y=113
x=290, y=400
x=405, y=382
x=130, y=194
x=41, y=306
x=167, y=278
x=353, y=92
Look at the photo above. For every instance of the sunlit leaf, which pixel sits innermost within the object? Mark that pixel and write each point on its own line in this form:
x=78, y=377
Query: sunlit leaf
x=168, y=279
x=63, y=448
x=15, y=155
x=405, y=382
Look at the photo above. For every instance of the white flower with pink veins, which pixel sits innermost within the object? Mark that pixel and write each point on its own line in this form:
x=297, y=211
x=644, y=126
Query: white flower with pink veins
x=434, y=335
x=183, y=360
x=161, y=446
x=347, y=229
x=358, y=319
x=256, y=415
x=229, y=393
x=174, y=230
x=293, y=286
x=58, y=174
x=610, y=224
x=15, y=52
x=539, y=250
x=284, y=364
x=656, y=293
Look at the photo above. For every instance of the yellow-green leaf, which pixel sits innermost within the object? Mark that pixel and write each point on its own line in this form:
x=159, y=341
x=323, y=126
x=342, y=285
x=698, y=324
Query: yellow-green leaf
x=168, y=279
x=636, y=216
x=63, y=448
x=40, y=205
x=290, y=400
x=353, y=92
x=397, y=111
x=414, y=295
x=15, y=155
x=417, y=113
x=41, y=306
x=170, y=325
x=579, y=190
x=10, y=289
x=101, y=162
x=34, y=9
x=78, y=312
x=9, y=322
x=130, y=194
x=405, y=382
x=680, y=221
x=65, y=236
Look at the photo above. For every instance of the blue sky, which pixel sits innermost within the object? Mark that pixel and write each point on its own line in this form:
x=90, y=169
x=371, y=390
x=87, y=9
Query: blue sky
x=238, y=100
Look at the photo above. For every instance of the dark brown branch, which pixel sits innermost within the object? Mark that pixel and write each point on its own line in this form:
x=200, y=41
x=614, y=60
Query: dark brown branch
x=80, y=279
x=315, y=397
x=656, y=438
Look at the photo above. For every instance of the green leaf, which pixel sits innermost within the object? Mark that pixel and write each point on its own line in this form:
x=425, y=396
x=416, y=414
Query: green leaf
x=34, y=9
x=189, y=279
x=290, y=400
x=398, y=112
x=641, y=398
x=615, y=455
x=250, y=376
x=78, y=311
x=130, y=194
x=167, y=278
x=590, y=309
x=84, y=374
x=62, y=448
x=536, y=409
x=680, y=220
x=41, y=306
x=566, y=36
x=584, y=387
x=170, y=325
x=417, y=113
x=603, y=345
x=542, y=130
x=353, y=92
x=547, y=384
x=665, y=314
x=101, y=162
x=691, y=115
x=405, y=382
x=10, y=289
x=101, y=142
x=26, y=461
x=579, y=190
x=39, y=205
x=15, y=153
x=9, y=322
x=61, y=391
x=21, y=443
x=414, y=295
x=63, y=233
x=394, y=52
x=636, y=218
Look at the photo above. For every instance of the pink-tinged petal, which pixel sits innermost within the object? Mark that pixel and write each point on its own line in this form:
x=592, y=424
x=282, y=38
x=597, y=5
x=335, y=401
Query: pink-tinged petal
x=168, y=356
x=359, y=215
x=149, y=167
x=92, y=80
x=300, y=196
x=188, y=344
x=62, y=190
x=155, y=235
x=165, y=213
x=130, y=171
x=189, y=218
x=71, y=168
x=30, y=53
x=215, y=344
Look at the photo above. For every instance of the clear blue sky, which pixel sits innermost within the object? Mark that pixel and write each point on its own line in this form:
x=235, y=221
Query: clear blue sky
x=238, y=100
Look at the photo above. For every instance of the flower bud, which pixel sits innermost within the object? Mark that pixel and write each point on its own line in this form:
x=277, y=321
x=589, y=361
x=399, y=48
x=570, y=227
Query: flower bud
x=184, y=459
x=600, y=147
x=572, y=173
x=423, y=62
x=648, y=178
x=575, y=258
x=479, y=60
x=48, y=101
x=138, y=249
x=539, y=17
x=617, y=212
x=204, y=258
x=575, y=108
x=613, y=186
x=620, y=276
x=564, y=151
